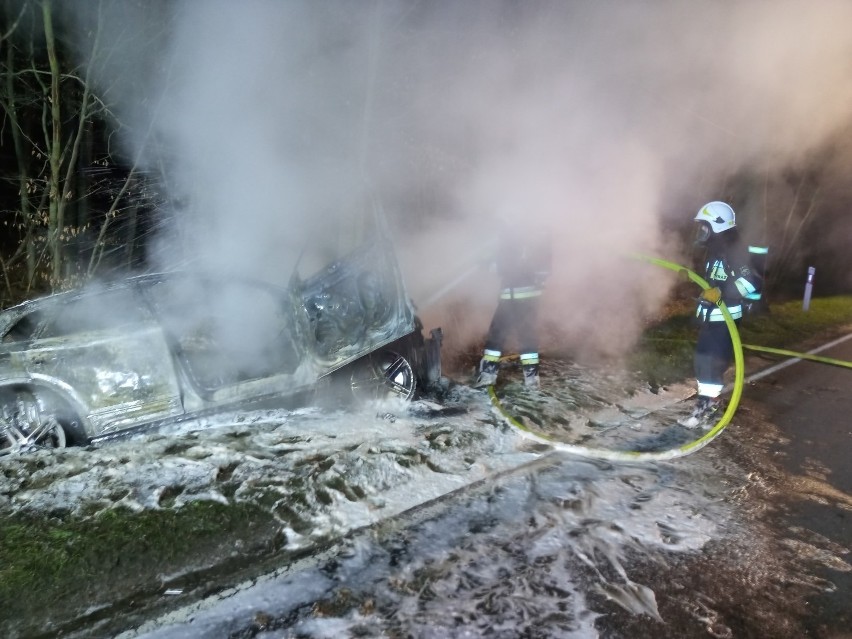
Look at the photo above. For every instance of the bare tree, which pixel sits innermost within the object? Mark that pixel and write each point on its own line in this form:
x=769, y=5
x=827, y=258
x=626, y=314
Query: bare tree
x=53, y=116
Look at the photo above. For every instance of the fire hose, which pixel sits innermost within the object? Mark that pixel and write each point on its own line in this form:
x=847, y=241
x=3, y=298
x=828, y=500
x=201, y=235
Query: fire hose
x=673, y=453
x=691, y=446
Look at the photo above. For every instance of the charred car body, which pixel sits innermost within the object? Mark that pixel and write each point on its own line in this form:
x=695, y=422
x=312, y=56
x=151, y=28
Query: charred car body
x=88, y=365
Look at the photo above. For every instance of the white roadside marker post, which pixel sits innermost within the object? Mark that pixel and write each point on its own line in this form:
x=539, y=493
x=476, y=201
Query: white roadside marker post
x=809, y=287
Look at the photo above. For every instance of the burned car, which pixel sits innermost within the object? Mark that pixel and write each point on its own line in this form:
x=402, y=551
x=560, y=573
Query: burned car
x=84, y=366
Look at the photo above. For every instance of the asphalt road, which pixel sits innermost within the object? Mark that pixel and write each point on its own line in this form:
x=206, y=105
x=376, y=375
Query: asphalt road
x=809, y=405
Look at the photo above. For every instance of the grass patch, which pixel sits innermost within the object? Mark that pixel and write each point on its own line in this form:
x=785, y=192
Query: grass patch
x=788, y=325
x=664, y=354
x=50, y=568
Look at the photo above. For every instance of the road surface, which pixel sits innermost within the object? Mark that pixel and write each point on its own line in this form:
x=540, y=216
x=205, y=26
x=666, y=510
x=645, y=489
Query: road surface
x=810, y=405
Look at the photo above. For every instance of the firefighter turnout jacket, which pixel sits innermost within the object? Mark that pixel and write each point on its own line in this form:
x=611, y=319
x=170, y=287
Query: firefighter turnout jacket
x=732, y=274
x=523, y=265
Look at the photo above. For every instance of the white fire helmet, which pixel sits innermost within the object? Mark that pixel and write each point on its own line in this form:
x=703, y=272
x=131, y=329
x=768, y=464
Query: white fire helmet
x=718, y=215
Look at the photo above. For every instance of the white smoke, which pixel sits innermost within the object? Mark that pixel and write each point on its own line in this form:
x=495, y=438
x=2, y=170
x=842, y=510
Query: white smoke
x=603, y=120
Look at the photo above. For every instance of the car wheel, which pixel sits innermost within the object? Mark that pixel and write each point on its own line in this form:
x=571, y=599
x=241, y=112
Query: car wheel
x=26, y=426
x=382, y=375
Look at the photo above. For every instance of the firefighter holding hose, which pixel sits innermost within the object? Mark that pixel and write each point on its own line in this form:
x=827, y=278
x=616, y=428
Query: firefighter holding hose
x=732, y=281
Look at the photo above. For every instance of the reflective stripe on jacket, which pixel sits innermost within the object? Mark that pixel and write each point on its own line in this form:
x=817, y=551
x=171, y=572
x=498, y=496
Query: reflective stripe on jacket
x=520, y=292
x=716, y=314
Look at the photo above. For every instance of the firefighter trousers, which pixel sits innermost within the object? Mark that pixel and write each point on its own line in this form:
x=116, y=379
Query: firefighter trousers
x=516, y=318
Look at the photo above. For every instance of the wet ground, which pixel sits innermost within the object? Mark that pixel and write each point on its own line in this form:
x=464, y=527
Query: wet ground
x=747, y=538
x=449, y=525
x=808, y=407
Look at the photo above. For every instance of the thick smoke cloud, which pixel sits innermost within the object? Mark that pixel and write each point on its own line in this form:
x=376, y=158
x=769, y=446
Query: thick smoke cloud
x=604, y=121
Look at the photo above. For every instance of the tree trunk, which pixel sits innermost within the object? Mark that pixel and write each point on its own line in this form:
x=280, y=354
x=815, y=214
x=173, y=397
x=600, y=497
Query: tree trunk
x=28, y=220
x=54, y=152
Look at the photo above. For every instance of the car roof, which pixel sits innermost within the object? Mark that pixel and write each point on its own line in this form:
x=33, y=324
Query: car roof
x=46, y=303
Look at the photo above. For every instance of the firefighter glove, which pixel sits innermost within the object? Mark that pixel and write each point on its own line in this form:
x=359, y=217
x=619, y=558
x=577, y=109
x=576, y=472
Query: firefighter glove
x=712, y=295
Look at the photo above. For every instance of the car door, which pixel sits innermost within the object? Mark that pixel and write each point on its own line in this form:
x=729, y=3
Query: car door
x=355, y=304
x=105, y=351
x=234, y=339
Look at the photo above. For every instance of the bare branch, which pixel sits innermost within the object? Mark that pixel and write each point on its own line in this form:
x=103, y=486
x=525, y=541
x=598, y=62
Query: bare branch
x=17, y=21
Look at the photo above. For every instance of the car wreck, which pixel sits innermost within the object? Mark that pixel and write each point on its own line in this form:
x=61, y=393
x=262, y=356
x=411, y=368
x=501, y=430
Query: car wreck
x=87, y=365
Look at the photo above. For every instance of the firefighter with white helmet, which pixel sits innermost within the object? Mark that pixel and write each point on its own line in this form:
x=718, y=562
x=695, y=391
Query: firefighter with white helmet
x=726, y=269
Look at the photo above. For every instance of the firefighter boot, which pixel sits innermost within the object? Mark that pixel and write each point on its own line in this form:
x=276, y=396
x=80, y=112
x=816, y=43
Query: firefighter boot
x=704, y=414
x=487, y=373
x=531, y=376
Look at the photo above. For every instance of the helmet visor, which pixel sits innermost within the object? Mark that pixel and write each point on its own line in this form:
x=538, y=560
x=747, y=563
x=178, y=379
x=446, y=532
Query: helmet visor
x=702, y=232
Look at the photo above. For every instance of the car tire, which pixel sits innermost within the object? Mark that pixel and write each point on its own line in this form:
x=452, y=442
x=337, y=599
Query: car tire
x=26, y=412
x=384, y=374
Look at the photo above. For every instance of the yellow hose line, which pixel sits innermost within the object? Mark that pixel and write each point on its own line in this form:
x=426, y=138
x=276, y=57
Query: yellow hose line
x=775, y=351
x=680, y=451
x=813, y=358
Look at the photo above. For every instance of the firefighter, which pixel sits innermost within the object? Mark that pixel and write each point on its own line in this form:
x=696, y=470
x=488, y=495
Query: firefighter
x=523, y=264
x=727, y=271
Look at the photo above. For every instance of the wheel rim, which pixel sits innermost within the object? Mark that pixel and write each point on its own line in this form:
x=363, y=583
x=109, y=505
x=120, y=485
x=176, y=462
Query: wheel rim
x=388, y=374
x=25, y=427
